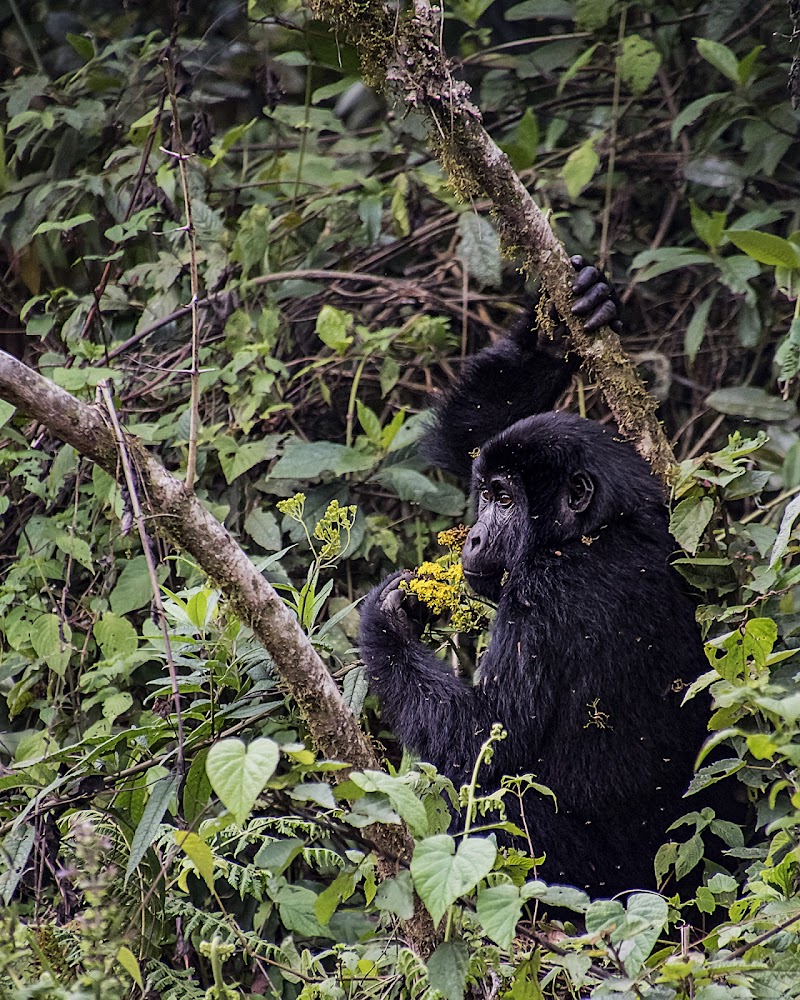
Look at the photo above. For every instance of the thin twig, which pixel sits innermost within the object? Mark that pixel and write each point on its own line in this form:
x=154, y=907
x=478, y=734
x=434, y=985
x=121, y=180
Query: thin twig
x=131, y=485
x=744, y=948
x=180, y=154
x=612, y=150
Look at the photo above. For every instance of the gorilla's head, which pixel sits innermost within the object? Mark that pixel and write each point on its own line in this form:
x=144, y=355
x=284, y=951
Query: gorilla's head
x=546, y=481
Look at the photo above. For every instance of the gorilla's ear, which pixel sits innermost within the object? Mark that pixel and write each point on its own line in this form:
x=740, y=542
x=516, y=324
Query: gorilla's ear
x=581, y=491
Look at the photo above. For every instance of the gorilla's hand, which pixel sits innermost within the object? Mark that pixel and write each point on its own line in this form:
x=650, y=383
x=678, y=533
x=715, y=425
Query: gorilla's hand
x=405, y=614
x=595, y=299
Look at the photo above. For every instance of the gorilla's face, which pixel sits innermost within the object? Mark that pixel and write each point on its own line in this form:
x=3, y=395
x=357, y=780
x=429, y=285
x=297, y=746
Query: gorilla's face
x=489, y=548
x=518, y=516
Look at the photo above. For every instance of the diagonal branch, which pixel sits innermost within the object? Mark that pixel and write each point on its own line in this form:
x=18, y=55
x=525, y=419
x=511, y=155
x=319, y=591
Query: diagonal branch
x=178, y=515
x=403, y=53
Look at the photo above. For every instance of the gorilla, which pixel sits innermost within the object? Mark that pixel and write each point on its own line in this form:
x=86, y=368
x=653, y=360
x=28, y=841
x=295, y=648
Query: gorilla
x=594, y=639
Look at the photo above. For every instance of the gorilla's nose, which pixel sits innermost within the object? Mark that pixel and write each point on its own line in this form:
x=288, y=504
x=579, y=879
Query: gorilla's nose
x=475, y=544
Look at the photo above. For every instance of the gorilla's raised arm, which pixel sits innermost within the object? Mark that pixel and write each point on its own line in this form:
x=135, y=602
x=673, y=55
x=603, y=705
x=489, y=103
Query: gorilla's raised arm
x=515, y=378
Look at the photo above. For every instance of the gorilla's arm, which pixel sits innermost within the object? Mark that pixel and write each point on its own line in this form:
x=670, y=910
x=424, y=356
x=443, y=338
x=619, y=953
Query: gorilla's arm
x=514, y=378
x=429, y=709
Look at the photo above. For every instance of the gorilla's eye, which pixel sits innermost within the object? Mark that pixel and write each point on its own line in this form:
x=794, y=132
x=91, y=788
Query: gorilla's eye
x=504, y=500
x=486, y=495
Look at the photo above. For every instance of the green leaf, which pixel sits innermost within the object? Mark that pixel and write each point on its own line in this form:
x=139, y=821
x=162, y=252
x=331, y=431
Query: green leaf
x=720, y=57
x=747, y=65
x=396, y=895
x=262, y=526
x=752, y=403
x=147, y=828
x=689, y=520
x=638, y=63
x=198, y=852
x=133, y=589
x=788, y=520
x=479, y=249
x=709, y=226
x=399, y=793
x=410, y=485
x=85, y=48
x=765, y=248
x=580, y=167
x=692, y=112
x=355, y=688
x=76, y=547
x=50, y=639
x=722, y=883
x=646, y=917
x=115, y=636
x=63, y=225
x=7, y=411
x=729, y=654
x=696, y=329
x=560, y=9
x=140, y=222
x=593, y=14
x=447, y=969
x=309, y=460
x=787, y=355
x=130, y=964
x=369, y=423
x=236, y=461
x=499, y=909
x=690, y=854
x=390, y=375
x=239, y=773
x=523, y=143
x=196, y=788
x=16, y=848
x=328, y=900
x=333, y=328
x=116, y=704
x=441, y=874
x=146, y=120
x=556, y=895
x=604, y=916
x=296, y=905
x=276, y=855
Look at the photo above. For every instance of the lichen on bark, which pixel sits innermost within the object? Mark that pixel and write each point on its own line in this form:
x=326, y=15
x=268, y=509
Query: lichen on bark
x=416, y=73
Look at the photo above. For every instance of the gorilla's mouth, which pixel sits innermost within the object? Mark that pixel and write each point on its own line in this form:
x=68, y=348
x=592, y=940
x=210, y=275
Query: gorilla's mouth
x=488, y=584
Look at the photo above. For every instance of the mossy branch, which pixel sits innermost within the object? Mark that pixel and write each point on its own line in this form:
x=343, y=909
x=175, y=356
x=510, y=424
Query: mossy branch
x=404, y=54
x=178, y=515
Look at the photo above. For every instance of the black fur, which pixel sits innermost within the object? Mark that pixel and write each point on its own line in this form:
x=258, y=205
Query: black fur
x=594, y=638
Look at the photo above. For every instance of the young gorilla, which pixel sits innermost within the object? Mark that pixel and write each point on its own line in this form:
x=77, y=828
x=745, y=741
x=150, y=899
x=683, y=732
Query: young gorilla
x=594, y=639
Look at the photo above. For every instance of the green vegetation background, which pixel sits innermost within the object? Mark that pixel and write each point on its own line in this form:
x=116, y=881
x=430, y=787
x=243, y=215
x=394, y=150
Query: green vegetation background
x=341, y=283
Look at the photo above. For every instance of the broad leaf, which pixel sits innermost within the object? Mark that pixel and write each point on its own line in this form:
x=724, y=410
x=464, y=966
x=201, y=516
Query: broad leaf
x=238, y=773
x=441, y=874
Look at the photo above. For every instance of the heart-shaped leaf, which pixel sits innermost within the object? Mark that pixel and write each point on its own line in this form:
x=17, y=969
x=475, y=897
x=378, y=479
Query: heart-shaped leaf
x=238, y=773
x=441, y=873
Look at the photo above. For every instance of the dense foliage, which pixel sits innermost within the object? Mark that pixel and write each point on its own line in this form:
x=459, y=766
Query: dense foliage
x=336, y=281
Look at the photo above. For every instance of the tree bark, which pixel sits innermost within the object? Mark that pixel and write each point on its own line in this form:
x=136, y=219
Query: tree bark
x=403, y=54
x=179, y=516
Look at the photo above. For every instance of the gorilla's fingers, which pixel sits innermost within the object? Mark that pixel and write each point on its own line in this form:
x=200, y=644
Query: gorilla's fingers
x=593, y=300
x=392, y=600
x=604, y=315
x=577, y=261
x=586, y=278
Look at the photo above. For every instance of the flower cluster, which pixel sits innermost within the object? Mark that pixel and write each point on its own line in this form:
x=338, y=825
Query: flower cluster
x=328, y=530
x=440, y=586
x=293, y=507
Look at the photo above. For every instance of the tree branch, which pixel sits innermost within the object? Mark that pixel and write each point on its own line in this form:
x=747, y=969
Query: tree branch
x=177, y=514
x=404, y=55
